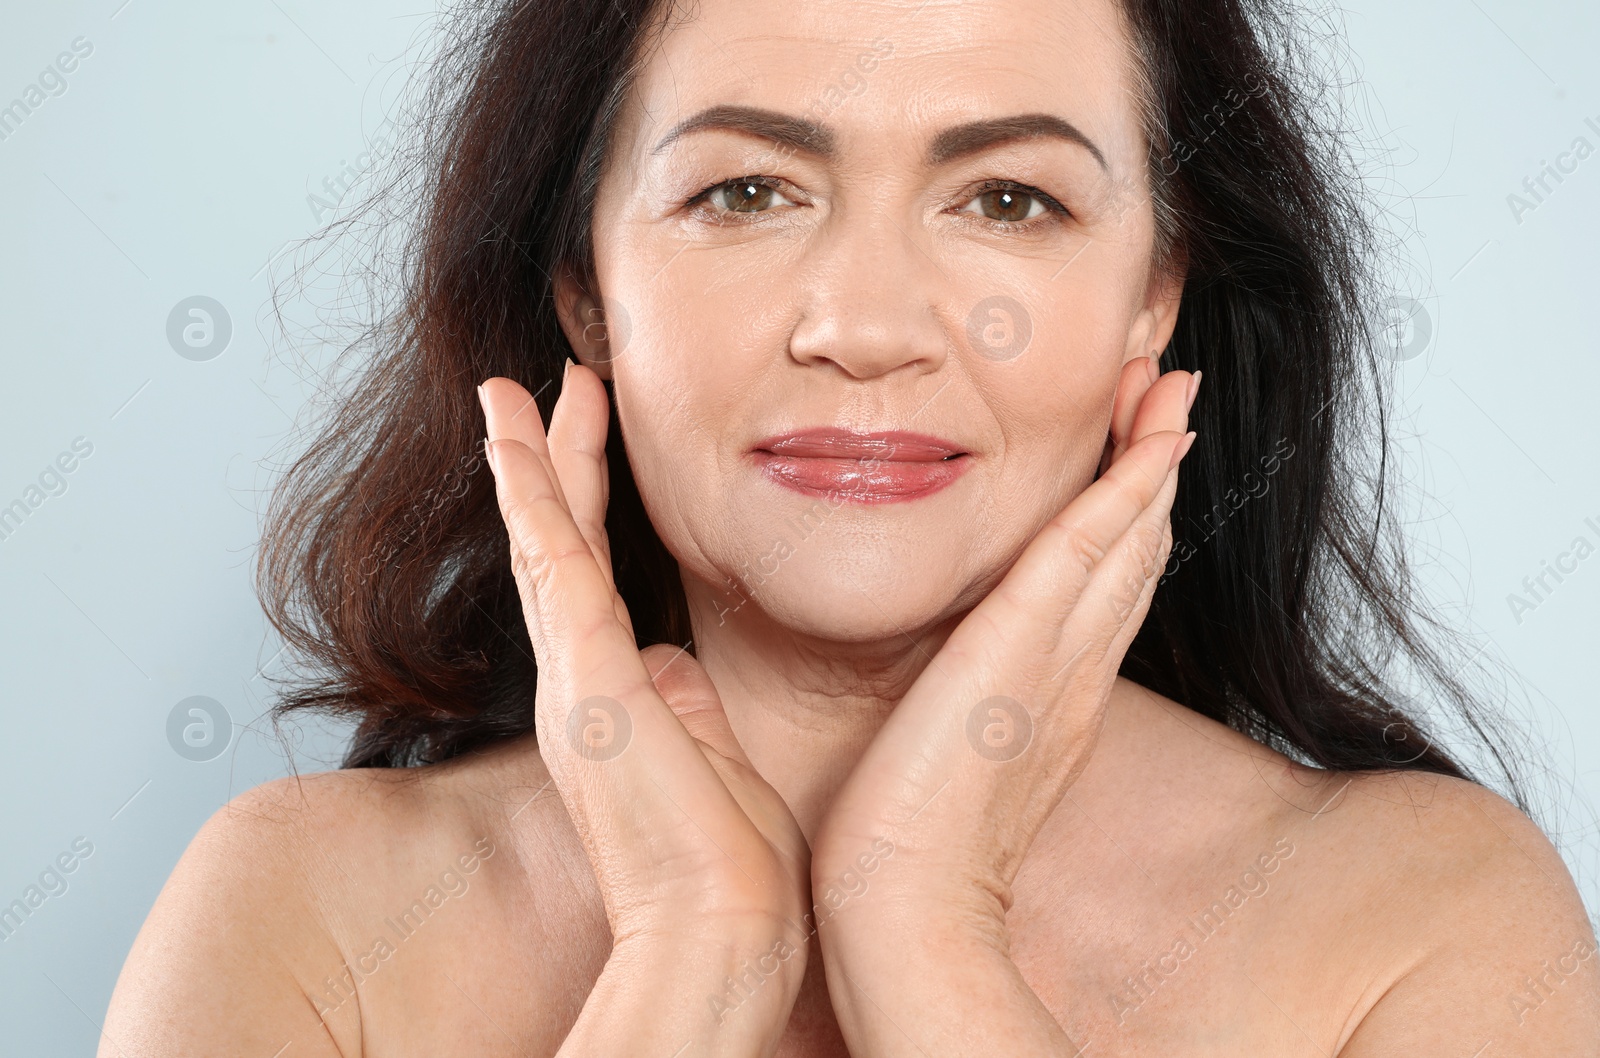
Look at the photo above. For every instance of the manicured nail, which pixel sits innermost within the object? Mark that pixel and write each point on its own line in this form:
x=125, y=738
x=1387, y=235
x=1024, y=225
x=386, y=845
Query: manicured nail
x=1151, y=369
x=566, y=369
x=1194, y=388
x=1181, y=449
x=483, y=401
x=488, y=452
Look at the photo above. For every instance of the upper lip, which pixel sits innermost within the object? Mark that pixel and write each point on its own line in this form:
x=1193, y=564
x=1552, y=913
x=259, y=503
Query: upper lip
x=826, y=442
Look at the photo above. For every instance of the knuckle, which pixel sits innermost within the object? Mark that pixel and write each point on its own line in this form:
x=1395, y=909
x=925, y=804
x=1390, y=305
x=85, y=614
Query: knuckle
x=546, y=568
x=522, y=520
x=1149, y=545
x=537, y=561
x=1126, y=596
x=1081, y=550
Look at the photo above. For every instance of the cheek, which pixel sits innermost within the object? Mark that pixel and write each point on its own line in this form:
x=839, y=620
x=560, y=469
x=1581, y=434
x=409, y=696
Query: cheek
x=703, y=338
x=1053, y=403
x=679, y=395
x=1053, y=441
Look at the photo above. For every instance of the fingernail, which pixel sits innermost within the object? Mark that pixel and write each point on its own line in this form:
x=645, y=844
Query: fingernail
x=1151, y=369
x=564, y=371
x=488, y=452
x=1181, y=449
x=1194, y=388
x=483, y=401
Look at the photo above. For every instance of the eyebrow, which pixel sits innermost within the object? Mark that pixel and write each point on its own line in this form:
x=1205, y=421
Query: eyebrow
x=808, y=137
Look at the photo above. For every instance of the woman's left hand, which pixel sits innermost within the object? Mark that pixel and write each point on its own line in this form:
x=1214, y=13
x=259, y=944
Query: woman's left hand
x=945, y=803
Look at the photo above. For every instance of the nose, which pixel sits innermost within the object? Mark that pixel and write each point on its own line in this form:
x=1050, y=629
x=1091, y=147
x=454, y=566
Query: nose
x=870, y=299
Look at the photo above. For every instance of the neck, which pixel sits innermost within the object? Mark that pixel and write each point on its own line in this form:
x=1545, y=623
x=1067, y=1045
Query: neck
x=804, y=708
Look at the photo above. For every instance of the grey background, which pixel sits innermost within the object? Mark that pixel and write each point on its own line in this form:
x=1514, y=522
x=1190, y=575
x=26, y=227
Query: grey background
x=178, y=161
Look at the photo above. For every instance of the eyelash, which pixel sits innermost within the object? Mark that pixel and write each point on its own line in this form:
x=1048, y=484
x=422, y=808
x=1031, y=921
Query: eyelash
x=727, y=216
x=1050, y=204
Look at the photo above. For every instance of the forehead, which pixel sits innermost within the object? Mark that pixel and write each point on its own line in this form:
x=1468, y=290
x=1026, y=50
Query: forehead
x=886, y=75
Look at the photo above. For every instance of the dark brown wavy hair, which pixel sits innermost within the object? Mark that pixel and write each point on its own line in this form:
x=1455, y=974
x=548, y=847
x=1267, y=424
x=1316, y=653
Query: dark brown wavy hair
x=1287, y=606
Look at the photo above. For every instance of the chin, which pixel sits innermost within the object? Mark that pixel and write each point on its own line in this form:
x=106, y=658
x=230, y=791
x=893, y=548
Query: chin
x=855, y=587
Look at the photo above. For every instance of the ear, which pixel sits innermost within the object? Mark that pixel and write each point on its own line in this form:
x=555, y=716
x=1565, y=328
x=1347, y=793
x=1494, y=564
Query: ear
x=1148, y=336
x=595, y=340
x=1156, y=319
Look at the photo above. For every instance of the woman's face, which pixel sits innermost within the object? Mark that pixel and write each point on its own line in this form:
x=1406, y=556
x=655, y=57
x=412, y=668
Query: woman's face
x=959, y=249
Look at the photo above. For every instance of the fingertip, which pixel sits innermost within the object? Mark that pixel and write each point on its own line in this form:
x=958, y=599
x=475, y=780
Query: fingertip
x=1160, y=408
x=490, y=398
x=658, y=657
x=1181, y=449
x=582, y=413
x=1133, y=386
x=496, y=450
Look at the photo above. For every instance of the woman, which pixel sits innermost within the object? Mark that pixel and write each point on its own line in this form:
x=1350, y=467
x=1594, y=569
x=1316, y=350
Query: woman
x=938, y=742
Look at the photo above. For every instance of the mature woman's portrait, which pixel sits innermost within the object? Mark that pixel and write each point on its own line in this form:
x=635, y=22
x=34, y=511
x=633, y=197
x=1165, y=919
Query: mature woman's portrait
x=902, y=528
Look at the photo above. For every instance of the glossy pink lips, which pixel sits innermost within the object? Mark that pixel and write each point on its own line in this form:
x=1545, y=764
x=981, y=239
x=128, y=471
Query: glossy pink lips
x=864, y=468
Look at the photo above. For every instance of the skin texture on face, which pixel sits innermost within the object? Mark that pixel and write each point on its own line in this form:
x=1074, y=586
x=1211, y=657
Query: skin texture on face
x=876, y=280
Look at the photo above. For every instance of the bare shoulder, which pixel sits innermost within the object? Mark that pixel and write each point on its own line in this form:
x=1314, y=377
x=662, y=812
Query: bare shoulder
x=1487, y=937
x=319, y=909
x=242, y=905
x=1413, y=913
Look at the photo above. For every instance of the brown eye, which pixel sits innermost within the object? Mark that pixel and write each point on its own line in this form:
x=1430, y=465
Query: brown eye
x=745, y=196
x=1009, y=204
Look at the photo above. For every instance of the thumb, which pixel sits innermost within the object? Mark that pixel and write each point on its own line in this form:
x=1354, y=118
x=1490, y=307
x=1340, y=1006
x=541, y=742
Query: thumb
x=683, y=683
x=686, y=687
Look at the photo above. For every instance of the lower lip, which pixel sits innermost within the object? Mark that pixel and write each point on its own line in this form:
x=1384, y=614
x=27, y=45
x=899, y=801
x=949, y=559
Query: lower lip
x=860, y=480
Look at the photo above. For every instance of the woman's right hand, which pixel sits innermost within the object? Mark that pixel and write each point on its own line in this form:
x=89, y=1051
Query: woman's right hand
x=701, y=865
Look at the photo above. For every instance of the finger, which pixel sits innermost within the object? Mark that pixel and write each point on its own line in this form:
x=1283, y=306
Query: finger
x=1138, y=375
x=584, y=652
x=1122, y=586
x=1125, y=581
x=589, y=665
x=510, y=413
x=1165, y=406
x=1054, y=569
x=688, y=691
x=626, y=768
x=577, y=441
x=566, y=598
